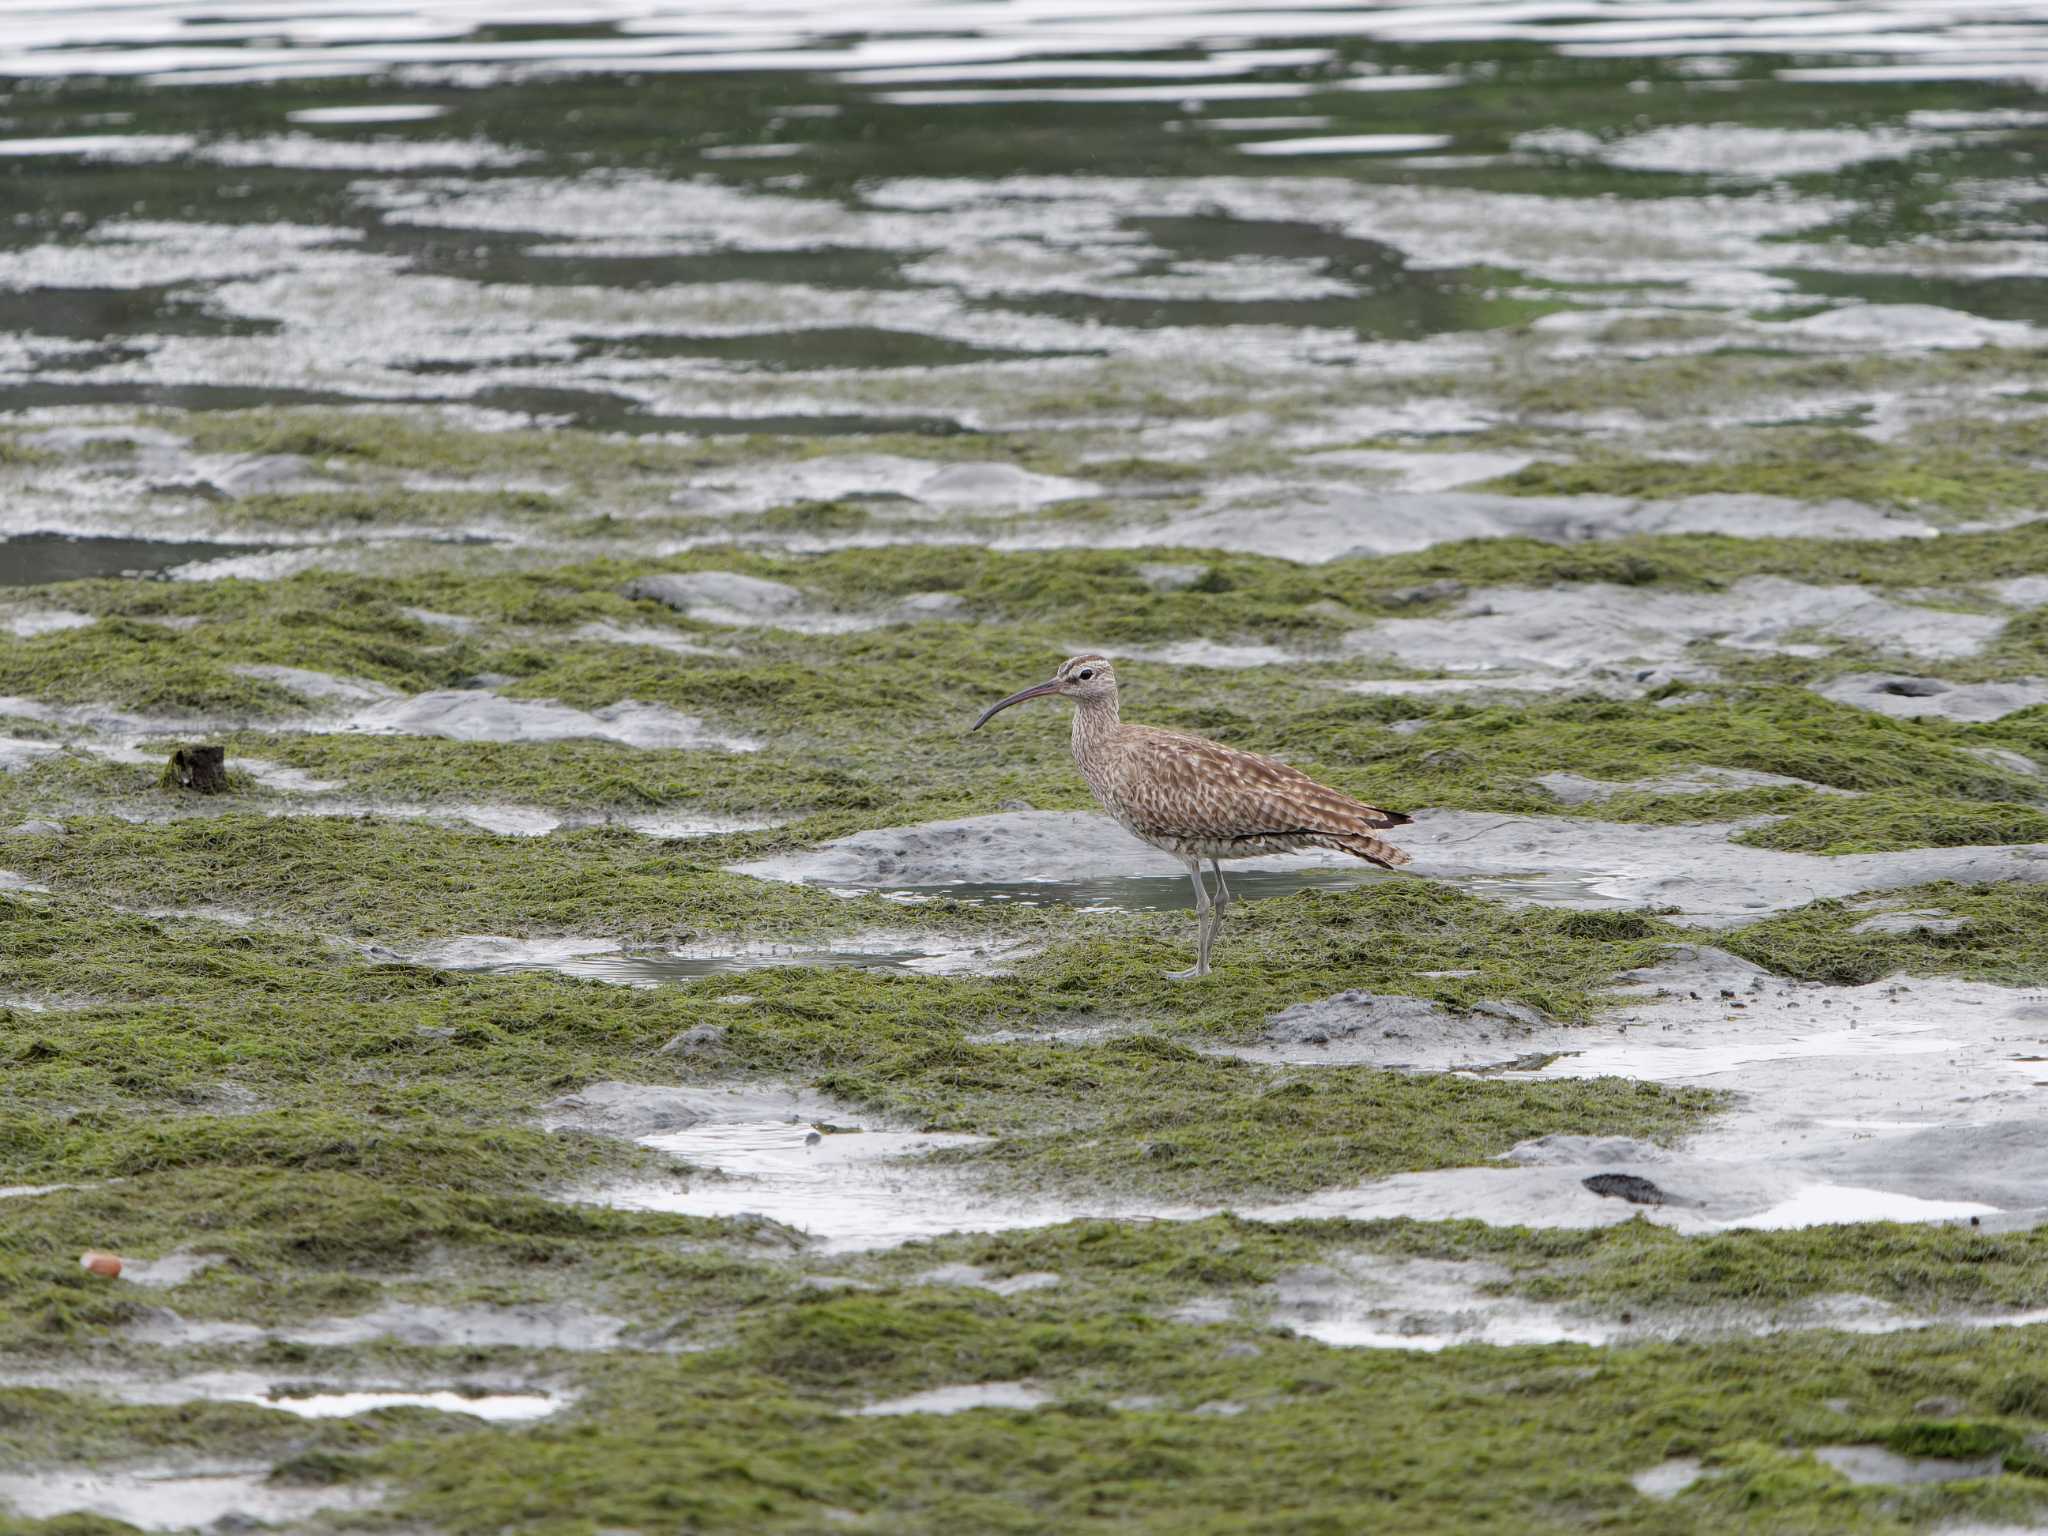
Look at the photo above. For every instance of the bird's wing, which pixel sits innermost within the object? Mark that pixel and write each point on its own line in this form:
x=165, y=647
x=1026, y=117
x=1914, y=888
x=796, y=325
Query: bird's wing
x=1201, y=788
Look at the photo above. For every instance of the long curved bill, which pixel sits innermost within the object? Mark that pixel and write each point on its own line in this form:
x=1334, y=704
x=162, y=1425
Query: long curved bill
x=1016, y=698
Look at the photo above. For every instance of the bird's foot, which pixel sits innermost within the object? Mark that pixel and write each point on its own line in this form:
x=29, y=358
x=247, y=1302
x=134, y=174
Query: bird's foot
x=1190, y=974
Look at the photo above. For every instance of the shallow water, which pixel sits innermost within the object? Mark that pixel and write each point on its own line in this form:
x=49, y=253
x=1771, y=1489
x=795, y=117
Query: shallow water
x=788, y=247
x=605, y=960
x=171, y=1498
x=30, y=559
x=1013, y=1395
x=849, y=1190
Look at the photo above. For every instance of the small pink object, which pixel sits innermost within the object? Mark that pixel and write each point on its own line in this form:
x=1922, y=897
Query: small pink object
x=107, y=1264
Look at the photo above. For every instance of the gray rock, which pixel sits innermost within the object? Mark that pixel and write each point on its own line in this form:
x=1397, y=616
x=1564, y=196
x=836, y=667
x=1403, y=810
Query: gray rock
x=1693, y=970
x=1597, y=624
x=1908, y=698
x=1573, y=789
x=1562, y=1150
x=1169, y=577
x=2006, y=758
x=531, y=1326
x=1940, y=1408
x=699, y=1040
x=263, y=474
x=477, y=714
x=652, y=1109
x=995, y=487
x=1512, y=1013
x=36, y=829
x=721, y=590
x=1320, y=522
x=1911, y=922
x=322, y=686
x=932, y=605
x=1746, y=515
x=1353, y=1013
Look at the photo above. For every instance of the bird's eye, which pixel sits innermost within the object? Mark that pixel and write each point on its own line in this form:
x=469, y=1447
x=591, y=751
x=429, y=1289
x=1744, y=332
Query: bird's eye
x=1085, y=673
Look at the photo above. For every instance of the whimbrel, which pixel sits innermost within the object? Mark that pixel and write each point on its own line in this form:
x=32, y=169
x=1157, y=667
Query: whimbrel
x=1199, y=799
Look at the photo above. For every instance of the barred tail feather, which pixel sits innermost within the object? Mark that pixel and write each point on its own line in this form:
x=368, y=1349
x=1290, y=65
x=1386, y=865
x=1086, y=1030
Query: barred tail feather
x=1371, y=849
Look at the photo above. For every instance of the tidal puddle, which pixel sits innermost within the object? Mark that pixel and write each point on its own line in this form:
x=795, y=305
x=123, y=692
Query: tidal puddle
x=847, y=1191
x=491, y=1407
x=1417, y=1304
x=1894, y=1101
x=1077, y=858
x=1136, y=894
x=30, y=559
x=1868, y=1465
x=309, y=1401
x=500, y=820
x=1668, y=1479
x=1016, y=1396
x=1372, y=1302
x=417, y=1326
x=606, y=960
x=164, y=1498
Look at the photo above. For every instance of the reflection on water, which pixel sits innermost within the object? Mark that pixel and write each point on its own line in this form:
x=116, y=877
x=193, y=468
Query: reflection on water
x=1140, y=894
x=1173, y=894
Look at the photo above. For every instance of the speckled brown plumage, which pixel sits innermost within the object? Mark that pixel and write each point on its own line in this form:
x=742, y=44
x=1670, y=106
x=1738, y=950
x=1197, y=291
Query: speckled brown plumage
x=1198, y=799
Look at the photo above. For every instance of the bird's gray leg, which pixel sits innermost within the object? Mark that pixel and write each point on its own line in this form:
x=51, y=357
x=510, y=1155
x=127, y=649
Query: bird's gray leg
x=1204, y=910
x=1216, y=913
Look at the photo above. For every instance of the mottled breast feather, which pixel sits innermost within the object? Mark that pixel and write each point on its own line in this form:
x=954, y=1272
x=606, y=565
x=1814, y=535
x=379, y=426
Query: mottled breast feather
x=1172, y=786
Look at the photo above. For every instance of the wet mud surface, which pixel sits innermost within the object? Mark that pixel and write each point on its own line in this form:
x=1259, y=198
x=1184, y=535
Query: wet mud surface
x=615, y=1051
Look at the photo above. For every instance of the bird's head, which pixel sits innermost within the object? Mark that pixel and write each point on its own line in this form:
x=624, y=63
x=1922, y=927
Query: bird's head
x=1079, y=677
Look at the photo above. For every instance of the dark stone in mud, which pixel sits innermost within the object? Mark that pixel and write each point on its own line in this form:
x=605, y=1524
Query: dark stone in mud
x=702, y=1040
x=204, y=770
x=1633, y=1188
x=1911, y=687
